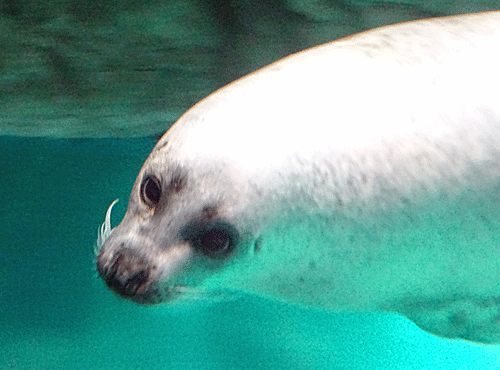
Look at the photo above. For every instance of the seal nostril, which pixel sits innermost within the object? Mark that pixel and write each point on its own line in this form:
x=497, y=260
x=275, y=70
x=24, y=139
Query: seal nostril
x=127, y=274
x=114, y=269
x=138, y=280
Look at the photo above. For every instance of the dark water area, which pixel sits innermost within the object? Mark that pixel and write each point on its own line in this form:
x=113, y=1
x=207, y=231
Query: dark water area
x=55, y=313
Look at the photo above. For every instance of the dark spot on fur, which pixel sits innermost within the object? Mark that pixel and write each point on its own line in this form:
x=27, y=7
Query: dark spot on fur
x=158, y=137
x=177, y=182
x=215, y=239
x=459, y=319
x=405, y=200
x=209, y=213
x=257, y=245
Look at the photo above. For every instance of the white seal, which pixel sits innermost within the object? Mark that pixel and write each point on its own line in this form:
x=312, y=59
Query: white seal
x=363, y=174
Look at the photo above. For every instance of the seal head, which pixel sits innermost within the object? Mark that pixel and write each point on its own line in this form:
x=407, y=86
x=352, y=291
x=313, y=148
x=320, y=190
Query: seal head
x=182, y=224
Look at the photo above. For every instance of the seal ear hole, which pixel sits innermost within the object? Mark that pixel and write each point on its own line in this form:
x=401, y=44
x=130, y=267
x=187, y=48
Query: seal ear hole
x=216, y=240
x=150, y=191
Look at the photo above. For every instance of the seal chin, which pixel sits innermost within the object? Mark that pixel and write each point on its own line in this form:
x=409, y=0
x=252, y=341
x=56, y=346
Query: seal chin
x=157, y=296
x=145, y=299
x=171, y=293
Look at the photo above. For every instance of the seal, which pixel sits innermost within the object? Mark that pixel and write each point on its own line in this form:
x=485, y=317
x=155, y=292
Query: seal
x=363, y=174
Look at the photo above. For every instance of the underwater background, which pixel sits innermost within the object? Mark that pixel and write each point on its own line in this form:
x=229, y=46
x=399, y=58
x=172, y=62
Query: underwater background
x=55, y=313
x=78, y=80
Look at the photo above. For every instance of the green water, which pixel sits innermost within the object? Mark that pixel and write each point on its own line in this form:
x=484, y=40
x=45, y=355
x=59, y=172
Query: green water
x=56, y=314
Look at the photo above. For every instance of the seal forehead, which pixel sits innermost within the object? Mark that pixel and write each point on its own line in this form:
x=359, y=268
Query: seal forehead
x=201, y=185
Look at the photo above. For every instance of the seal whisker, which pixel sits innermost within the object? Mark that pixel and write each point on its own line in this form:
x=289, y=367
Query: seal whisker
x=105, y=230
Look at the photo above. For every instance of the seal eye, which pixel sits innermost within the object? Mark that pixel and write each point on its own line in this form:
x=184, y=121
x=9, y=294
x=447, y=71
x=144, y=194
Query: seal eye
x=151, y=191
x=216, y=240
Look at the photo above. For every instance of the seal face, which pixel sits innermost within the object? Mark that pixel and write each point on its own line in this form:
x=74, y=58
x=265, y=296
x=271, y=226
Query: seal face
x=167, y=231
x=363, y=174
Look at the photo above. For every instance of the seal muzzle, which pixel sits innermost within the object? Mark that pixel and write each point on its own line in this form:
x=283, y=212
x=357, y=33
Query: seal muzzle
x=129, y=275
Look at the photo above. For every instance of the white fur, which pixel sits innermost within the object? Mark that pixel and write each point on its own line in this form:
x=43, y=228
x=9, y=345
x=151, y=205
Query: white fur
x=367, y=171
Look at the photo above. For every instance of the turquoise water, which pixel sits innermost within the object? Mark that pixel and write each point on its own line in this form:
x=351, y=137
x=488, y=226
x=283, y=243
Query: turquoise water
x=55, y=313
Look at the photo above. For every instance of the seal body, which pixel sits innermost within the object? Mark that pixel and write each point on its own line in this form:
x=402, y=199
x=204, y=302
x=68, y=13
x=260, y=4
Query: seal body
x=363, y=174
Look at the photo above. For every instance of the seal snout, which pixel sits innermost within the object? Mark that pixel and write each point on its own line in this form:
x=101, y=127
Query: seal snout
x=128, y=274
